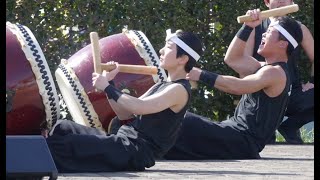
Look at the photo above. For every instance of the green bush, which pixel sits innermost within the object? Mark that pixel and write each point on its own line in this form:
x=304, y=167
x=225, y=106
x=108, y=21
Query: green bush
x=62, y=28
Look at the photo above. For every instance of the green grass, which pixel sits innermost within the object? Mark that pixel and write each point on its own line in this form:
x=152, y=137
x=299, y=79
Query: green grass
x=307, y=137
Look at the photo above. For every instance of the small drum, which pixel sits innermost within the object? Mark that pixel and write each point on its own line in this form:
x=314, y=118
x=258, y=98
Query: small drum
x=32, y=98
x=74, y=76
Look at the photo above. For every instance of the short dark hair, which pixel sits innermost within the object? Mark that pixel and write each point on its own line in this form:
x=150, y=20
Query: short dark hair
x=293, y=28
x=194, y=43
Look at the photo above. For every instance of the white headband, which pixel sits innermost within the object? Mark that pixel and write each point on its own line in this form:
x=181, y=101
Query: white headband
x=174, y=38
x=285, y=33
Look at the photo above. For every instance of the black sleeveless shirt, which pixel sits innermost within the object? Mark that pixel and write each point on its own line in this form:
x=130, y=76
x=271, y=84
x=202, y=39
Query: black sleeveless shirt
x=292, y=60
x=259, y=115
x=160, y=130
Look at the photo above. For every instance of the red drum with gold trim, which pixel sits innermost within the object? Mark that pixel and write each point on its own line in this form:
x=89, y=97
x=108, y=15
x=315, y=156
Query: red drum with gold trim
x=74, y=76
x=31, y=94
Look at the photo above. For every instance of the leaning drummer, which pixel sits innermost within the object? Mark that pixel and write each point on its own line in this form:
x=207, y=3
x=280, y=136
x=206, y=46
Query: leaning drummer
x=156, y=115
x=300, y=109
x=265, y=90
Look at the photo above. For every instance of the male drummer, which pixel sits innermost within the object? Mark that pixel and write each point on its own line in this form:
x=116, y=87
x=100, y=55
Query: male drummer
x=157, y=117
x=265, y=89
x=300, y=109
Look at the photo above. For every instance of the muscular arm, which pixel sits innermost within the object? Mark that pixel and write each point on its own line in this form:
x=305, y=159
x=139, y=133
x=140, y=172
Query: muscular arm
x=174, y=96
x=250, y=44
x=267, y=78
x=239, y=59
x=308, y=46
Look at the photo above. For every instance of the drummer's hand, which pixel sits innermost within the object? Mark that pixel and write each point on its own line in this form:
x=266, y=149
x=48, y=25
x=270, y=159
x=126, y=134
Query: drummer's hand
x=255, y=15
x=307, y=86
x=114, y=72
x=194, y=74
x=100, y=81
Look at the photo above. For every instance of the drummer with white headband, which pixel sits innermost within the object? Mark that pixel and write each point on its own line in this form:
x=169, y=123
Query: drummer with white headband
x=285, y=33
x=265, y=90
x=174, y=38
x=155, y=118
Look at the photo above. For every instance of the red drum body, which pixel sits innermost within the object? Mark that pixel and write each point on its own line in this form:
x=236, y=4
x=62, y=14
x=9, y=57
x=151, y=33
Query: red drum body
x=32, y=99
x=74, y=76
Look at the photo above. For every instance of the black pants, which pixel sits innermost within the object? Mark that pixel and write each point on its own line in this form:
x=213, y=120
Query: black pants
x=77, y=148
x=300, y=109
x=201, y=138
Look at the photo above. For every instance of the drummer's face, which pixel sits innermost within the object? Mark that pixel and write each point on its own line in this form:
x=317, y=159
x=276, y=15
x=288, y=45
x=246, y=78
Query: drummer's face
x=270, y=42
x=168, y=54
x=271, y=4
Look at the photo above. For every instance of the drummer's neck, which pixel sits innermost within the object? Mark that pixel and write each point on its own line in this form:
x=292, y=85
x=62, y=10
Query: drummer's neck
x=173, y=76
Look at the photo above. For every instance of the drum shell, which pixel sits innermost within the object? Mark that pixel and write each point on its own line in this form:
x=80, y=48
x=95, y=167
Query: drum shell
x=26, y=110
x=117, y=48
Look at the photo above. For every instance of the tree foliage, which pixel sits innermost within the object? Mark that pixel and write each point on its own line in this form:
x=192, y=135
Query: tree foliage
x=62, y=28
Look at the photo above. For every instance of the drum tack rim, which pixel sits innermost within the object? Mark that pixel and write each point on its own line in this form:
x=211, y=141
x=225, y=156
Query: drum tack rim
x=149, y=55
x=40, y=69
x=68, y=83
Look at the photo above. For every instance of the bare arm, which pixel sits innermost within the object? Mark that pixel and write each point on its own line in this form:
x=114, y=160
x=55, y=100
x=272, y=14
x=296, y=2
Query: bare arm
x=122, y=113
x=308, y=46
x=144, y=94
x=267, y=78
x=238, y=60
x=239, y=54
x=174, y=96
x=250, y=44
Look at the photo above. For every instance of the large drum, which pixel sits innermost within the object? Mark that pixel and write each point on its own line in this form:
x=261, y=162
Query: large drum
x=74, y=76
x=32, y=99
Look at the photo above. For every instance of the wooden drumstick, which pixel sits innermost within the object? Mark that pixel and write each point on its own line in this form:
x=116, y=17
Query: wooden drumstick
x=281, y=11
x=133, y=69
x=96, y=52
x=138, y=69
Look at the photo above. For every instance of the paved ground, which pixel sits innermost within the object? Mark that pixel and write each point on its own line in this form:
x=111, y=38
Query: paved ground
x=278, y=162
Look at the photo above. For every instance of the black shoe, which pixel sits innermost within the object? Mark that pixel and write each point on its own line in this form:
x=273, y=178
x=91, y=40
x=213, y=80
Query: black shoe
x=272, y=140
x=290, y=135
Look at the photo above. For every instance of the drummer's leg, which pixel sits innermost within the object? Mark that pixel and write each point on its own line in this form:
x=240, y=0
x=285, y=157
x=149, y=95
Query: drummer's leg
x=91, y=153
x=64, y=127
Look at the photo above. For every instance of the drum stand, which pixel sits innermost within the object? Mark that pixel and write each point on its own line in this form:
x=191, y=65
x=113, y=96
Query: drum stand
x=28, y=157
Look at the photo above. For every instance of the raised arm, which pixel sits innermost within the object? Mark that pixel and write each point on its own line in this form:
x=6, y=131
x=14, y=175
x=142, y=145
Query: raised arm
x=241, y=62
x=308, y=46
x=250, y=44
x=239, y=54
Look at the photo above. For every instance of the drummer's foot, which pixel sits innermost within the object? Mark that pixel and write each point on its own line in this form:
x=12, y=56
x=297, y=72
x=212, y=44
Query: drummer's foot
x=292, y=136
x=45, y=133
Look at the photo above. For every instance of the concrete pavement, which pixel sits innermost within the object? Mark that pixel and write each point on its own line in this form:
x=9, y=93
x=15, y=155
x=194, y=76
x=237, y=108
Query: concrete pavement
x=278, y=162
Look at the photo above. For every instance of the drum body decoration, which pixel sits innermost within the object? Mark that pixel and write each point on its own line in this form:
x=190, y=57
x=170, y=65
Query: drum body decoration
x=31, y=95
x=90, y=107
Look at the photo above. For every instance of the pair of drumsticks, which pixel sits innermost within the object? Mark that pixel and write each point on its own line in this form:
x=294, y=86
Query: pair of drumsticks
x=125, y=68
x=151, y=70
